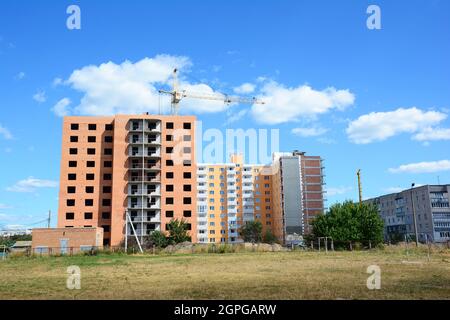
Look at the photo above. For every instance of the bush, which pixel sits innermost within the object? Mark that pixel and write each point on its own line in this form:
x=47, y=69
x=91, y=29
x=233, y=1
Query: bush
x=159, y=239
x=269, y=237
x=251, y=231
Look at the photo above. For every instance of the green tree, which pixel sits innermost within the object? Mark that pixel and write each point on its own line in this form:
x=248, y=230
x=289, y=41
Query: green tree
x=350, y=222
x=10, y=240
x=178, y=231
x=251, y=231
x=269, y=237
x=158, y=239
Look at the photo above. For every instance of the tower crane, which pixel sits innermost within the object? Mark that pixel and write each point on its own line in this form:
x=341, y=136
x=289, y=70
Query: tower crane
x=178, y=95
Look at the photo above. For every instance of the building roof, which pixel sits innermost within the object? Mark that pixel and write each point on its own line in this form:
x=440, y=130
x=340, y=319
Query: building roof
x=20, y=244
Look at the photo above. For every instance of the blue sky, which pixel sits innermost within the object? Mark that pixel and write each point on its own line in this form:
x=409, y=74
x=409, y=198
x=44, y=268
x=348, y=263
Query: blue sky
x=378, y=100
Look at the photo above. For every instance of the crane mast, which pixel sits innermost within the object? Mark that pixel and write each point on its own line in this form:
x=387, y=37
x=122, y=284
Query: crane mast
x=177, y=96
x=358, y=173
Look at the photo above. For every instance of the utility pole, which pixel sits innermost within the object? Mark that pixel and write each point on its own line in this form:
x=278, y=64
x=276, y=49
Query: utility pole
x=414, y=215
x=358, y=173
x=126, y=231
x=49, y=217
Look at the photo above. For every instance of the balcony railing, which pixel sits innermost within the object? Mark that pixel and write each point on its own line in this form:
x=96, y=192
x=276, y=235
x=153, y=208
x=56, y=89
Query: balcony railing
x=146, y=167
x=145, y=141
x=138, y=193
x=139, y=206
x=145, y=179
x=145, y=154
x=145, y=129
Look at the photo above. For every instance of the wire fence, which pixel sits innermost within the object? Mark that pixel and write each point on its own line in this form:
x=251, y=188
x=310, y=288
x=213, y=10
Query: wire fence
x=324, y=244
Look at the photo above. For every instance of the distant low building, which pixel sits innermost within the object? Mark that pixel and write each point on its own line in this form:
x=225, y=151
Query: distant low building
x=10, y=233
x=432, y=207
x=66, y=240
x=21, y=246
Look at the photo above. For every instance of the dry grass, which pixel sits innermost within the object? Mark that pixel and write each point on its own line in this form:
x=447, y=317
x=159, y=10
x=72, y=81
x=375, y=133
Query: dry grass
x=280, y=275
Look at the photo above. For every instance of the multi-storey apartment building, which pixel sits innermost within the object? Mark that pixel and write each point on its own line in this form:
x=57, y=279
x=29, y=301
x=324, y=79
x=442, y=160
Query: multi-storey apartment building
x=284, y=196
x=140, y=165
x=229, y=195
x=432, y=209
x=298, y=195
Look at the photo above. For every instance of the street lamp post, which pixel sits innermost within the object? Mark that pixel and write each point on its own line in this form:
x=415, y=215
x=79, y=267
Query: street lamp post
x=414, y=215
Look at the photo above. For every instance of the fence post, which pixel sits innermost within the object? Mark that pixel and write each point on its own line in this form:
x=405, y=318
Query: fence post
x=351, y=247
x=406, y=245
x=326, y=244
x=370, y=244
x=312, y=245
x=319, y=244
x=332, y=244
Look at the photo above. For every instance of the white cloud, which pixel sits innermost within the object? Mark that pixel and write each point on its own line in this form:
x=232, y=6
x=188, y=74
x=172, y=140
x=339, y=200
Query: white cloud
x=132, y=88
x=245, y=88
x=57, y=81
x=378, y=126
x=5, y=133
x=61, y=107
x=31, y=184
x=20, y=76
x=431, y=134
x=284, y=104
x=216, y=68
x=334, y=191
x=4, y=206
x=422, y=167
x=40, y=96
x=233, y=117
x=309, y=132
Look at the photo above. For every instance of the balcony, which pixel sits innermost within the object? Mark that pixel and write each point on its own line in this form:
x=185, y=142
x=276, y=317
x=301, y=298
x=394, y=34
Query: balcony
x=146, y=167
x=139, y=193
x=140, y=125
x=150, y=141
x=148, y=154
x=146, y=218
x=145, y=206
x=202, y=187
x=140, y=179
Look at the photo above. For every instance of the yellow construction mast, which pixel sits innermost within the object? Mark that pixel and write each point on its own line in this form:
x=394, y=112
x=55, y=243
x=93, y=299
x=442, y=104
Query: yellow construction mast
x=358, y=173
x=178, y=95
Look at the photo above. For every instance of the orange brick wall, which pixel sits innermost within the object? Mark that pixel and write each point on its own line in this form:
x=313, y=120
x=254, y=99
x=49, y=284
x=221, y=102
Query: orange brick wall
x=76, y=237
x=115, y=213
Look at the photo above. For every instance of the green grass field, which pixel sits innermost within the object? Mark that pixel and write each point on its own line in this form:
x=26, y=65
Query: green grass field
x=277, y=275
